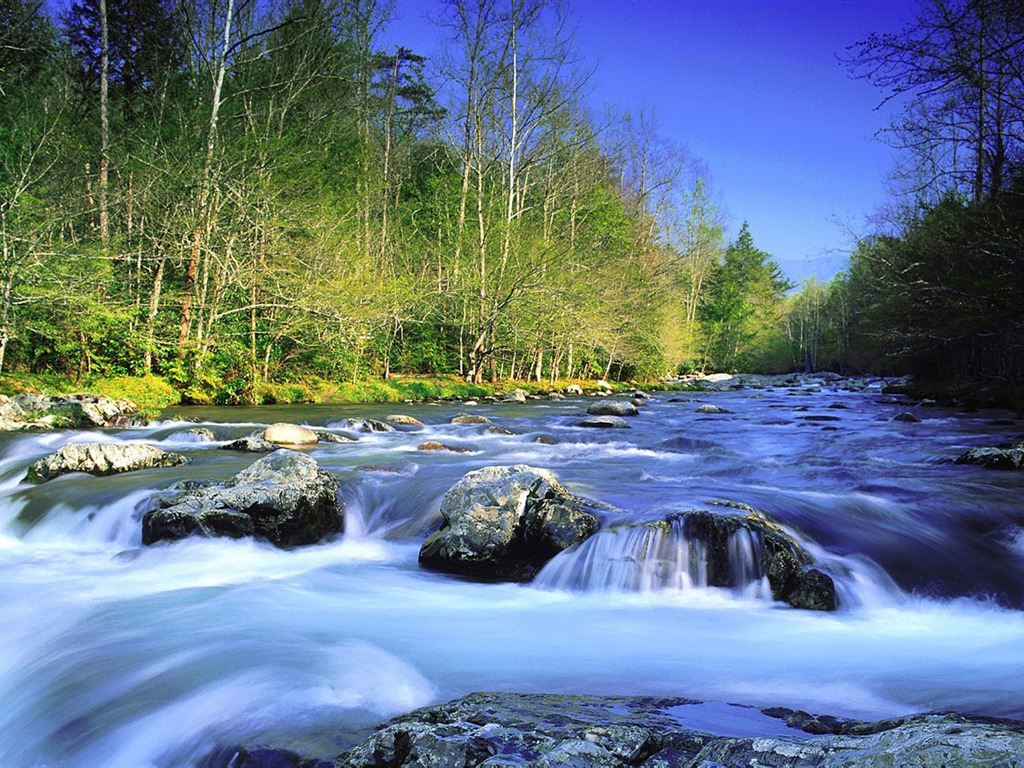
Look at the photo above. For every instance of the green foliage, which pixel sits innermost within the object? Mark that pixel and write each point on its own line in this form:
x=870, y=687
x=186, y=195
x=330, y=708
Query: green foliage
x=743, y=315
x=150, y=393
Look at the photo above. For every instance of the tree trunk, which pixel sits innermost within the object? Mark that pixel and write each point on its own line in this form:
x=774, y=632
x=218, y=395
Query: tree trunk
x=104, y=124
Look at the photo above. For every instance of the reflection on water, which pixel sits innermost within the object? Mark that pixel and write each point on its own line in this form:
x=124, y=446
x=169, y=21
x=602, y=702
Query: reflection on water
x=119, y=655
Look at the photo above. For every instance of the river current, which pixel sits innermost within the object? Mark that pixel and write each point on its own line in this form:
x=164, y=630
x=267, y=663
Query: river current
x=120, y=655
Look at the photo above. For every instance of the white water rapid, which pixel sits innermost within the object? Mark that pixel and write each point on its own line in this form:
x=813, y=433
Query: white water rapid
x=125, y=656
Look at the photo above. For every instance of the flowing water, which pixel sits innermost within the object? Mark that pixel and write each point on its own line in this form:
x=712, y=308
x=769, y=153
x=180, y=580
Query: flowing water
x=116, y=654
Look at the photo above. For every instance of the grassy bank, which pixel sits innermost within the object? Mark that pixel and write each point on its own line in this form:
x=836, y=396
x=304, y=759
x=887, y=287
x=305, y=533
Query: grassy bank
x=152, y=393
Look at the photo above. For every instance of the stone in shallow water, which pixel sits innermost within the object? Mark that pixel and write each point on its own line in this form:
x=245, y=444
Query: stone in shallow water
x=605, y=422
x=102, y=459
x=284, y=497
x=504, y=523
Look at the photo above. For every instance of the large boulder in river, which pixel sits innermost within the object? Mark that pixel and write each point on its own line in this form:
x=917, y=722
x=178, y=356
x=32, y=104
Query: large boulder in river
x=285, y=498
x=505, y=522
x=775, y=555
x=285, y=434
x=612, y=408
x=101, y=459
x=740, y=549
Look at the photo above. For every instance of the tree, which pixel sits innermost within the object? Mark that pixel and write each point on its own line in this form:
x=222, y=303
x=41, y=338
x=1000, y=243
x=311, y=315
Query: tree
x=744, y=310
x=957, y=69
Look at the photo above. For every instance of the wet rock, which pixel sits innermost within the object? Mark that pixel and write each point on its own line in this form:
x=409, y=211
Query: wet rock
x=494, y=429
x=994, y=458
x=404, y=421
x=574, y=389
x=250, y=444
x=469, y=418
x=102, y=459
x=492, y=729
x=283, y=434
x=201, y=434
x=613, y=408
x=605, y=422
x=323, y=436
x=907, y=416
x=789, y=569
x=709, y=408
x=504, y=523
x=544, y=440
x=284, y=497
x=364, y=425
x=433, y=445
x=556, y=396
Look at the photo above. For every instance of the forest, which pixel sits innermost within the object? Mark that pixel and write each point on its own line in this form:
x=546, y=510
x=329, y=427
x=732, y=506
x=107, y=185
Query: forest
x=234, y=195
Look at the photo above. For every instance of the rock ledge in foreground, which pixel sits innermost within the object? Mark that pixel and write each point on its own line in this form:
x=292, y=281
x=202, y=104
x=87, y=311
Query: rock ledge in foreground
x=543, y=730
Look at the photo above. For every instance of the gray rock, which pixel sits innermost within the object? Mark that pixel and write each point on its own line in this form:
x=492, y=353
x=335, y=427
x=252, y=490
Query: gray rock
x=709, y=408
x=516, y=396
x=612, y=408
x=102, y=459
x=605, y=422
x=789, y=569
x=906, y=416
x=284, y=497
x=574, y=389
x=505, y=729
x=30, y=411
x=994, y=458
x=504, y=523
x=404, y=421
x=469, y=418
x=250, y=444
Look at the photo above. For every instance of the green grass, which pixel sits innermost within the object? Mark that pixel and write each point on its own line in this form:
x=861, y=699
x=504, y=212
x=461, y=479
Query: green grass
x=153, y=393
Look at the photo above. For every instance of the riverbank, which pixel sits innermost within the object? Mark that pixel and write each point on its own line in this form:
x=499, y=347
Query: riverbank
x=153, y=394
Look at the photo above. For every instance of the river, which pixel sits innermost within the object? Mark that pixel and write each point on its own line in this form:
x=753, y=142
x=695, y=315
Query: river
x=116, y=654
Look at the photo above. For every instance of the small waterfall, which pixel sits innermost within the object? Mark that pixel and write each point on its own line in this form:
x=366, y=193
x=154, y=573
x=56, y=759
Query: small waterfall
x=654, y=557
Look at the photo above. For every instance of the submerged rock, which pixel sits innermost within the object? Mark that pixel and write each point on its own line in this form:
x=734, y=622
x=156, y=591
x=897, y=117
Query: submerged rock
x=504, y=523
x=102, y=459
x=516, y=729
x=284, y=497
x=613, y=408
x=434, y=445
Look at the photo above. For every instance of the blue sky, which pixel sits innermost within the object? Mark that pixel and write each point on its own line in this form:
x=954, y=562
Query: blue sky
x=754, y=90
